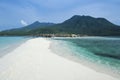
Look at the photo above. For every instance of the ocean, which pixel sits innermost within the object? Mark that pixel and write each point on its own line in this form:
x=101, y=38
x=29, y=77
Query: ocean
x=103, y=52
x=99, y=53
x=8, y=44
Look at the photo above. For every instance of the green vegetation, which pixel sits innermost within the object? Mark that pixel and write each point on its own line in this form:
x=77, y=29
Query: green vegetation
x=82, y=25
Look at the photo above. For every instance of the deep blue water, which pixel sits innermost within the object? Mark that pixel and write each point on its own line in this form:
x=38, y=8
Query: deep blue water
x=103, y=51
x=7, y=43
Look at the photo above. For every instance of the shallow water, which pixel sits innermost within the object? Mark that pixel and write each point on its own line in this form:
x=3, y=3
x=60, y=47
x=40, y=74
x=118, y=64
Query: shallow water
x=101, y=51
x=9, y=43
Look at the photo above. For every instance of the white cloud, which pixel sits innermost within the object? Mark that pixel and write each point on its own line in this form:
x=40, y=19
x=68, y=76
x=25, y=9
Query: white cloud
x=56, y=11
x=23, y=23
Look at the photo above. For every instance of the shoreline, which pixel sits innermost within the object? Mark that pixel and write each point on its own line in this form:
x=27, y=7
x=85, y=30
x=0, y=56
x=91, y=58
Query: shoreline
x=9, y=49
x=73, y=57
x=68, y=54
x=34, y=60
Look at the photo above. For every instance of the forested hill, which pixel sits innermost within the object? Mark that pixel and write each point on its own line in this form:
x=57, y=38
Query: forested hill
x=83, y=25
x=26, y=29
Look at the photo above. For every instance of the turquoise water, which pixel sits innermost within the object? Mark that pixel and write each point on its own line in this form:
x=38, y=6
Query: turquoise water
x=8, y=43
x=102, y=51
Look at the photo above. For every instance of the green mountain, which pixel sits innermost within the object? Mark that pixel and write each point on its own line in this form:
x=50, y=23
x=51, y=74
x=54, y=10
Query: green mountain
x=36, y=25
x=83, y=25
x=26, y=29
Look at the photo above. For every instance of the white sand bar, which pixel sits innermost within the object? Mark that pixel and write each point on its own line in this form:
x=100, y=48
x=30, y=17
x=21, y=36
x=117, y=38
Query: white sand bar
x=33, y=60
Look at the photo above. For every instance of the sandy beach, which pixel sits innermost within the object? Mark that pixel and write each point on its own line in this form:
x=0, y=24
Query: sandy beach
x=33, y=60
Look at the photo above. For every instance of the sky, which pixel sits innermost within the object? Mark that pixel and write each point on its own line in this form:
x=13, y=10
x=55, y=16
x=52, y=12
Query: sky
x=19, y=13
